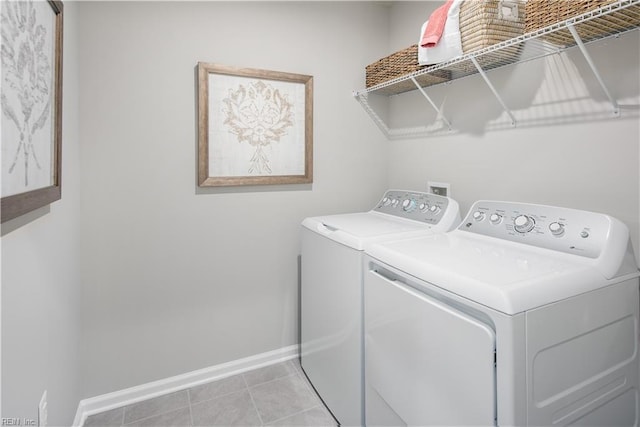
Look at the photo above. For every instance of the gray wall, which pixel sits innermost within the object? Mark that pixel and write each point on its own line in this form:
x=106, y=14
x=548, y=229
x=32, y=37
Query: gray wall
x=40, y=280
x=156, y=277
x=585, y=160
x=178, y=278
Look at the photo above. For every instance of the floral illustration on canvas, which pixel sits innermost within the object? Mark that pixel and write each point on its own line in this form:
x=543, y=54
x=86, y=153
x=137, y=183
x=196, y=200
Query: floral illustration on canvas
x=26, y=83
x=260, y=115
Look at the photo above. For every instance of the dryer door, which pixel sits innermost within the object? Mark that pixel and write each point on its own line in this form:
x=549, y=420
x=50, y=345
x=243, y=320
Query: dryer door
x=426, y=363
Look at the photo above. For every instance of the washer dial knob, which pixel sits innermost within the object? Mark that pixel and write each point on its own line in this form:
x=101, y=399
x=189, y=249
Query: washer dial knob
x=408, y=205
x=523, y=224
x=495, y=219
x=434, y=209
x=556, y=229
x=478, y=216
x=386, y=201
x=424, y=206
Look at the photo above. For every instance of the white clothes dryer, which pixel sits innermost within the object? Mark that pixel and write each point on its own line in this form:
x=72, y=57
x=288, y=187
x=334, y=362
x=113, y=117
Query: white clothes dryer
x=331, y=290
x=525, y=315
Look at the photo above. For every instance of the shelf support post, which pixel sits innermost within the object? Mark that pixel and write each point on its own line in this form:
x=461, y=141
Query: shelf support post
x=592, y=65
x=493, y=89
x=435, y=107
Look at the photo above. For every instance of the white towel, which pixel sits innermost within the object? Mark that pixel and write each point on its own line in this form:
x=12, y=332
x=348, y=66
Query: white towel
x=449, y=46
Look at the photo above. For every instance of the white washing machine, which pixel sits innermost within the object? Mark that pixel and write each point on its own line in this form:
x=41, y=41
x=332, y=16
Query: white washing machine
x=331, y=290
x=525, y=315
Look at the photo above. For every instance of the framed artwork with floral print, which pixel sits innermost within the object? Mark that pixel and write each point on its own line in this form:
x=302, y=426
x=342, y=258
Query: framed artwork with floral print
x=31, y=97
x=255, y=126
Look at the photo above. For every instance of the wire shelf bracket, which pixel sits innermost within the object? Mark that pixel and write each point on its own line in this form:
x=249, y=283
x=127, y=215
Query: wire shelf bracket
x=592, y=65
x=364, y=102
x=435, y=107
x=493, y=90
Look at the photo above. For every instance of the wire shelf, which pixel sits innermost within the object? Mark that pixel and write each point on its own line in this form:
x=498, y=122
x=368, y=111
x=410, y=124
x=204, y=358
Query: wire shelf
x=605, y=22
x=608, y=21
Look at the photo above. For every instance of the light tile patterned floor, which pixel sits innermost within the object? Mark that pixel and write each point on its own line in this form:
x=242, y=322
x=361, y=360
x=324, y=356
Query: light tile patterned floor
x=277, y=395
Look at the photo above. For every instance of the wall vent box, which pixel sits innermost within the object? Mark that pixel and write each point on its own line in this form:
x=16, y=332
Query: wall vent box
x=439, y=188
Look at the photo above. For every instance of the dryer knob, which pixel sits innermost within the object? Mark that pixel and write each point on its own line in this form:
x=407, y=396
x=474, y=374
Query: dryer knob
x=408, y=205
x=495, y=219
x=556, y=229
x=523, y=224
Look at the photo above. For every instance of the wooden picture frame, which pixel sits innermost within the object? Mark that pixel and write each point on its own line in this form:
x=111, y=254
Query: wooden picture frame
x=31, y=112
x=255, y=126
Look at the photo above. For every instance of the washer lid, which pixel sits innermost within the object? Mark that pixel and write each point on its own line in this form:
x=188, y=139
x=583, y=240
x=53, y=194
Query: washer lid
x=355, y=229
x=502, y=275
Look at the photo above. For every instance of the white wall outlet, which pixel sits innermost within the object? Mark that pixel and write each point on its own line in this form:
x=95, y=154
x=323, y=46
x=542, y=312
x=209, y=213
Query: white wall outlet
x=439, y=188
x=43, y=411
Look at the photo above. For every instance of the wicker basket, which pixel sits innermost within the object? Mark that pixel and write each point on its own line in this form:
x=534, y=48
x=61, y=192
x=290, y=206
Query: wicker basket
x=487, y=22
x=399, y=64
x=483, y=23
x=542, y=13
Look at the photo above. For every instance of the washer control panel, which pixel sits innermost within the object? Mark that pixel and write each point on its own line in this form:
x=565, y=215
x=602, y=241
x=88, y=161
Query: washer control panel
x=566, y=230
x=417, y=206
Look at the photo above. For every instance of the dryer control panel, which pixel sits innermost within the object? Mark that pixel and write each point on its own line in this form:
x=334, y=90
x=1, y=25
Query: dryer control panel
x=567, y=230
x=417, y=206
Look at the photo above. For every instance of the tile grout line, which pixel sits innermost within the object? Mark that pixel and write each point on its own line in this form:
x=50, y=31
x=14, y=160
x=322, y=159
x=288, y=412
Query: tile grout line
x=220, y=395
x=309, y=389
x=314, y=393
x=253, y=402
x=159, y=413
x=122, y=424
x=308, y=385
x=156, y=415
x=190, y=406
x=298, y=413
x=271, y=380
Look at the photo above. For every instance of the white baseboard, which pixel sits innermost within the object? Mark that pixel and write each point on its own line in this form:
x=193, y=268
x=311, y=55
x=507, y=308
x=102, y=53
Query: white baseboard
x=117, y=399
